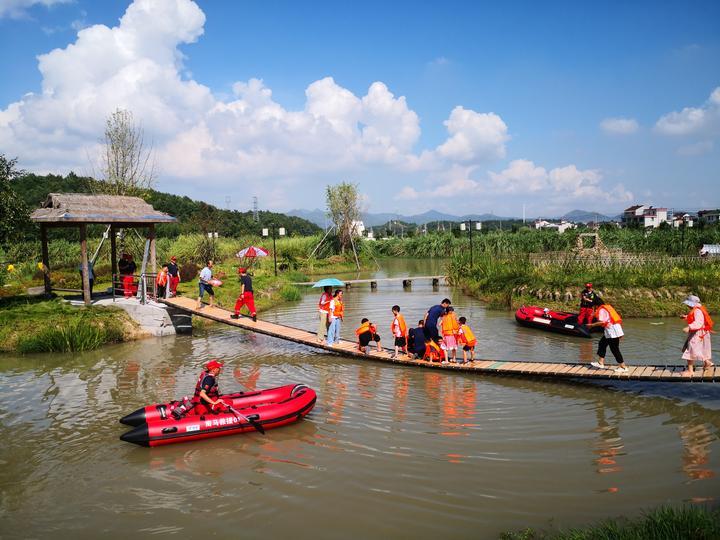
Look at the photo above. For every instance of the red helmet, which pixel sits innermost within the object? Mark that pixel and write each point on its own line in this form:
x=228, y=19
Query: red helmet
x=242, y=270
x=588, y=285
x=213, y=364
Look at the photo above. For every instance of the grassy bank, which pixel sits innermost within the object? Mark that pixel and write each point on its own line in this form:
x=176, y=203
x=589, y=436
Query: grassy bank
x=691, y=522
x=649, y=289
x=30, y=325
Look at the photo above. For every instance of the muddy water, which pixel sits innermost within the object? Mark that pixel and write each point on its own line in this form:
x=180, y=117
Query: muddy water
x=388, y=451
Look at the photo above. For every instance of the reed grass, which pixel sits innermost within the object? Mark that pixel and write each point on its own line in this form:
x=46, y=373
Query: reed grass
x=664, y=523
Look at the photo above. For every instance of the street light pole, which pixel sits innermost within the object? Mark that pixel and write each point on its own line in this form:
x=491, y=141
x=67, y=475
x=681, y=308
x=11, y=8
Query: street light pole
x=469, y=226
x=281, y=231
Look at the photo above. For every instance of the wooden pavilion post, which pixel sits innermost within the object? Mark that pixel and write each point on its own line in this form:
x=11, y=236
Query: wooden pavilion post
x=113, y=254
x=153, y=257
x=85, y=265
x=45, y=258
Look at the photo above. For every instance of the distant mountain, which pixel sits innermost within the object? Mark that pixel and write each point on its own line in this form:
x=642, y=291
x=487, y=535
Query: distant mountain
x=318, y=217
x=583, y=216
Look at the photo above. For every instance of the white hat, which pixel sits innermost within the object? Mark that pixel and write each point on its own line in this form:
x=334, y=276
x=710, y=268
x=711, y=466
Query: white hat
x=691, y=300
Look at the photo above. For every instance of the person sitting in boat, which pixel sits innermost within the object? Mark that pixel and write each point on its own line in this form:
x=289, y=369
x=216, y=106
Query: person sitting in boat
x=207, y=396
x=366, y=333
x=587, y=304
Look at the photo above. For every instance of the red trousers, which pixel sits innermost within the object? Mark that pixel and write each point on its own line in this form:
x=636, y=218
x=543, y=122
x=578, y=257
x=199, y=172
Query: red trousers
x=586, y=315
x=173, y=284
x=129, y=287
x=246, y=299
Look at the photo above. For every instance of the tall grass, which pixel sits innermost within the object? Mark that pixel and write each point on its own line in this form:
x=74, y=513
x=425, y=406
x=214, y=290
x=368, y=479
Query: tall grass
x=664, y=523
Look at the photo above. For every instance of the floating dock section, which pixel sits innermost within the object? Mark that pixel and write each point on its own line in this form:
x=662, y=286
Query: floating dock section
x=657, y=373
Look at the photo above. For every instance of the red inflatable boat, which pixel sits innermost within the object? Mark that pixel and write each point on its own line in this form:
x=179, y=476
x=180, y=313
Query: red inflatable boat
x=552, y=321
x=247, y=411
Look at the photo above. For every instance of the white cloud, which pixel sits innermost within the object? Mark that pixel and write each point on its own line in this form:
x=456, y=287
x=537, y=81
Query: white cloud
x=620, y=126
x=474, y=136
x=520, y=176
x=692, y=120
x=17, y=9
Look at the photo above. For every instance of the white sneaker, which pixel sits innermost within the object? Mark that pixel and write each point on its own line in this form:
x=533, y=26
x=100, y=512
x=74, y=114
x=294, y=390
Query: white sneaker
x=597, y=365
x=621, y=370
x=444, y=362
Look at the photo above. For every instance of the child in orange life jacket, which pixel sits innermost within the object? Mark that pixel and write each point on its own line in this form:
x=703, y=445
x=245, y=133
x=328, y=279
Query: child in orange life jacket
x=697, y=345
x=162, y=282
x=366, y=333
x=450, y=328
x=399, y=331
x=467, y=340
x=433, y=353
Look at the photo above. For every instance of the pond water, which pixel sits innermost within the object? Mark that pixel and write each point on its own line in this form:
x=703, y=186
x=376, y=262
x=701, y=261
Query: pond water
x=388, y=451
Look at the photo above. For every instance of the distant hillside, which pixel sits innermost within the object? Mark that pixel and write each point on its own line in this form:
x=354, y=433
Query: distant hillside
x=193, y=216
x=582, y=216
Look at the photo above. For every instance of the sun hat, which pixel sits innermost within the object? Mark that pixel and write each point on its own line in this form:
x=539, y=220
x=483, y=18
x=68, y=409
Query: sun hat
x=691, y=300
x=213, y=364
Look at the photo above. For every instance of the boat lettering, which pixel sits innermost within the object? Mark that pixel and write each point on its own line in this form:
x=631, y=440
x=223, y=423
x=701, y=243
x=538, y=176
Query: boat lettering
x=569, y=326
x=543, y=321
x=192, y=427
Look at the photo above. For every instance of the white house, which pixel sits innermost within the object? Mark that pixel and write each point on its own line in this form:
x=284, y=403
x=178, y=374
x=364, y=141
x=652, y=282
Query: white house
x=560, y=227
x=358, y=228
x=685, y=220
x=709, y=216
x=644, y=216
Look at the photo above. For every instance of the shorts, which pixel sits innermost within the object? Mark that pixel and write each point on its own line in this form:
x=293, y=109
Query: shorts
x=400, y=341
x=205, y=287
x=449, y=342
x=469, y=348
x=366, y=337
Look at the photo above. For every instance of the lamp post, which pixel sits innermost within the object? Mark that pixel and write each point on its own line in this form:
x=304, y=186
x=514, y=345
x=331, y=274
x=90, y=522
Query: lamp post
x=281, y=232
x=468, y=226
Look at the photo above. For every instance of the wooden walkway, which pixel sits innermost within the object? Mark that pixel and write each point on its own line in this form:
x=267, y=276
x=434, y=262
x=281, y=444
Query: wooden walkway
x=526, y=369
x=407, y=281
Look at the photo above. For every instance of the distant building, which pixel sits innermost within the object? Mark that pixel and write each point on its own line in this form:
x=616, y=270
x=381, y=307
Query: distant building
x=358, y=228
x=709, y=216
x=710, y=250
x=685, y=220
x=559, y=227
x=644, y=216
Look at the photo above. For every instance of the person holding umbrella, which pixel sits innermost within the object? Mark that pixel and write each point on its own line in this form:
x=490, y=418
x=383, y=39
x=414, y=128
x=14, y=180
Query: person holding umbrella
x=323, y=312
x=246, y=296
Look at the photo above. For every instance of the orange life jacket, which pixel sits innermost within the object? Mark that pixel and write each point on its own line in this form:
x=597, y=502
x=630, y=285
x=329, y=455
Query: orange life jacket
x=467, y=336
x=364, y=327
x=432, y=351
x=450, y=325
x=338, y=309
x=324, y=303
x=708, y=320
x=614, y=315
x=161, y=279
x=401, y=324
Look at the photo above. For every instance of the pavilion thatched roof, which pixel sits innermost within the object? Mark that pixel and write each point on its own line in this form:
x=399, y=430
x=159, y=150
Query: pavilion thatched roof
x=81, y=208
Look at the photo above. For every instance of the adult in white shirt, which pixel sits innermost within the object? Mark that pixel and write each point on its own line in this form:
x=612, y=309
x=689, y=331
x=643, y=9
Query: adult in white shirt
x=323, y=312
x=204, y=285
x=611, y=322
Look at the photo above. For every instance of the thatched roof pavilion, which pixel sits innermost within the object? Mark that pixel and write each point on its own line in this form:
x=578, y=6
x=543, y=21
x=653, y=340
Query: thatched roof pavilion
x=79, y=210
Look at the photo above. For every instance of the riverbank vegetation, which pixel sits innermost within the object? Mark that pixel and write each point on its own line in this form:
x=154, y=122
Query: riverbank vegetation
x=664, y=523
x=29, y=325
x=648, y=288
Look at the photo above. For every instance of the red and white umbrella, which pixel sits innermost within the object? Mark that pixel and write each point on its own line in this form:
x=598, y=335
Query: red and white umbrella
x=251, y=252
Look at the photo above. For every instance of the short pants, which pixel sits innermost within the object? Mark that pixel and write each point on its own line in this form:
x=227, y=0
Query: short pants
x=205, y=287
x=400, y=341
x=366, y=337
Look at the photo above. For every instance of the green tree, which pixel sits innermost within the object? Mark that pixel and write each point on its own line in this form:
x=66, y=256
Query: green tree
x=13, y=212
x=127, y=164
x=343, y=205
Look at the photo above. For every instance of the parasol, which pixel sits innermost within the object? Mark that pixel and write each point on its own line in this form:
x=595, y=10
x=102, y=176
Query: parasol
x=329, y=282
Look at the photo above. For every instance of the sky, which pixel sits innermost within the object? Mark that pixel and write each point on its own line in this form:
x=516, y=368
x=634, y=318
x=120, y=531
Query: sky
x=461, y=107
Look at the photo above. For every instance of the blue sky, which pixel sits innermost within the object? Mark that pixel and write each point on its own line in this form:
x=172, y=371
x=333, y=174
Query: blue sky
x=458, y=106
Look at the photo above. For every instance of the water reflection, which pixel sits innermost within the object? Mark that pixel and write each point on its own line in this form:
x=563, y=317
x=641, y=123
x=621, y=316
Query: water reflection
x=434, y=453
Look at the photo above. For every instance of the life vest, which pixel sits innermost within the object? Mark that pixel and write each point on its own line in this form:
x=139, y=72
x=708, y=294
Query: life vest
x=433, y=351
x=161, y=279
x=450, y=325
x=364, y=327
x=614, y=315
x=468, y=336
x=338, y=308
x=708, y=320
x=324, y=303
x=401, y=324
x=213, y=393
